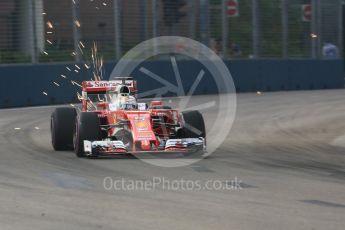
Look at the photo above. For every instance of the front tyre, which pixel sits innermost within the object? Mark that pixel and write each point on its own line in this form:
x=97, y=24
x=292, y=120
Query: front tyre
x=62, y=128
x=193, y=125
x=87, y=127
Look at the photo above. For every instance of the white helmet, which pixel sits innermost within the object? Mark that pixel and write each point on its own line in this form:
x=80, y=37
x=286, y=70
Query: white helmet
x=123, y=98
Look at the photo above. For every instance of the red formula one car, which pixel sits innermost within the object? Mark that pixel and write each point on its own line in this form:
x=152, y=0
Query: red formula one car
x=112, y=122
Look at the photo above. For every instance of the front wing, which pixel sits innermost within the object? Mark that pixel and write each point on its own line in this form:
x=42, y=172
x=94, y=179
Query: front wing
x=184, y=145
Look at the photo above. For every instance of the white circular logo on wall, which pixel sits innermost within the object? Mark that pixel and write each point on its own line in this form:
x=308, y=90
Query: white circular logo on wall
x=218, y=110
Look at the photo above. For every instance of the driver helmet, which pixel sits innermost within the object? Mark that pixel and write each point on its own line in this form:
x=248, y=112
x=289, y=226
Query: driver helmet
x=123, y=99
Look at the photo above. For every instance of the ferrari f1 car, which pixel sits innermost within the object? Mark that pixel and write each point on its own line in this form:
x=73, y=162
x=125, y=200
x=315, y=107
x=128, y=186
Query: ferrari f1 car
x=112, y=122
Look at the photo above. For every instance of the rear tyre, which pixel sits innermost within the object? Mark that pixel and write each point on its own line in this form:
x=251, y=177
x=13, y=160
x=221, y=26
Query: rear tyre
x=87, y=127
x=62, y=128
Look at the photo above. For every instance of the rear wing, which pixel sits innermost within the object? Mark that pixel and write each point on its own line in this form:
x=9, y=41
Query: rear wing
x=102, y=86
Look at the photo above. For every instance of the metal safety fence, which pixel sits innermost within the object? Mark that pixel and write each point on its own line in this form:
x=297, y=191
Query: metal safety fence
x=38, y=31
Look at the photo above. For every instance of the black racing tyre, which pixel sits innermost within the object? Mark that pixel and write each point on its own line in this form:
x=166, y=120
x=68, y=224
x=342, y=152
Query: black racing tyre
x=62, y=128
x=193, y=125
x=87, y=127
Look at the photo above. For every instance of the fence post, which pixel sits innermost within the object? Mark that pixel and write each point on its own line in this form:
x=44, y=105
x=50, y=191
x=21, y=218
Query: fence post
x=32, y=31
x=191, y=13
x=256, y=29
x=204, y=22
x=117, y=23
x=76, y=28
x=225, y=29
x=143, y=19
x=285, y=28
x=340, y=29
x=313, y=29
x=155, y=18
x=319, y=29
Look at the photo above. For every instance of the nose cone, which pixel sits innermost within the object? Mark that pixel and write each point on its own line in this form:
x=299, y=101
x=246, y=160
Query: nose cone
x=146, y=145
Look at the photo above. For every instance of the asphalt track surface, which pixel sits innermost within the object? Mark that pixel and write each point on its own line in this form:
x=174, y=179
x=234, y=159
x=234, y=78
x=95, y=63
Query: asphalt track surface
x=287, y=148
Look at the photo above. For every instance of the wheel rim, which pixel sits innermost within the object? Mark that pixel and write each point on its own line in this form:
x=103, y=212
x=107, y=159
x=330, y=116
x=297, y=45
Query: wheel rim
x=125, y=137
